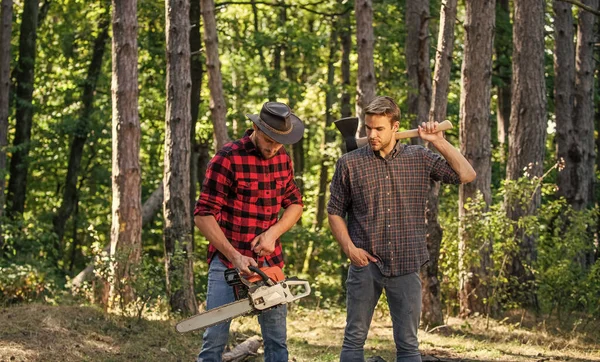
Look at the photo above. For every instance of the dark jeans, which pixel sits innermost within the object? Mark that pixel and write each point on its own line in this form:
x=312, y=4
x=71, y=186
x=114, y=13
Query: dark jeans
x=365, y=285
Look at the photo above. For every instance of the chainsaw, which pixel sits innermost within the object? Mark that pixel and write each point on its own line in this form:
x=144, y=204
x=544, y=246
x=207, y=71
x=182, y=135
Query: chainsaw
x=266, y=289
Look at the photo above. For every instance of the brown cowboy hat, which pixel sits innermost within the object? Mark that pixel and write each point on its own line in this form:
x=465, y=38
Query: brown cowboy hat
x=277, y=121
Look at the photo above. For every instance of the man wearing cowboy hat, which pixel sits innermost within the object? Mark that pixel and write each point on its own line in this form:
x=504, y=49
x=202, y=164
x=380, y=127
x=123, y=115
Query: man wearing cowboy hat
x=247, y=183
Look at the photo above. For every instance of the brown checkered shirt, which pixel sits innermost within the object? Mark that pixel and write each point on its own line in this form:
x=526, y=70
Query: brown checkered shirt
x=384, y=201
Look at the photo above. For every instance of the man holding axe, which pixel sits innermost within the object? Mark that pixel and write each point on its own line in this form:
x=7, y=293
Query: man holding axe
x=382, y=190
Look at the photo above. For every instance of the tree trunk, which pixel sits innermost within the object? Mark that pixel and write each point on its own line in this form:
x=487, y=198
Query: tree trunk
x=417, y=63
x=366, y=83
x=297, y=149
x=179, y=249
x=275, y=82
x=5, y=36
x=328, y=135
x=196, y=61
x=431, y=313
x=126, y=231
x=80, y=135
x=346, y=111
x=578, y=176
x=215, y=82
x=528, y=122
x=346, y=40
x=582, y=153
x=564, y=83
x=24, y=77
x=503, y=49
x=475, y=142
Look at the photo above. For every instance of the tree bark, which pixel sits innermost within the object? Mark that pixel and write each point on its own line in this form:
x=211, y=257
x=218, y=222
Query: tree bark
x=475, y=144
x=564, y=83
x=417, y=63
x=24, y=77
x=328, y=135
x=196, y=61
x=503, y=48
x=346, y=111
x=80, y=135
x=126, y=231
x=5, y=37
x=528, y=121
x=297, y=149
x=583, y=153
x=346, y=40
x=179, y=249
x=576, y=181
x=366, y=84
x=275, y=81
x=217, y=105
x=431, y=313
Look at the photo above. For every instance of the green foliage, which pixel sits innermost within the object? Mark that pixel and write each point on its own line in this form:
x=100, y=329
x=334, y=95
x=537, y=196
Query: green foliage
x=146, y=284
x=316, y=257
x=565, y=269
x=564, y=272
x=24, y=283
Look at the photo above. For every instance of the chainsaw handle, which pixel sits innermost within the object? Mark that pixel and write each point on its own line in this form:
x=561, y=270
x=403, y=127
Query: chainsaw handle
x=262, y=274
x=291, y=283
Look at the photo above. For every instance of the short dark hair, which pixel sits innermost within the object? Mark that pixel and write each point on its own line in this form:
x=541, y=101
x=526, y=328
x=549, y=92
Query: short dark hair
x=384, y=106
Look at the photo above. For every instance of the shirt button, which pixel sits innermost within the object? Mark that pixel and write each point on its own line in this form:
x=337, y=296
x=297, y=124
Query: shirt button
x=387, y=177
x=392, y=258
x=389, y=225
x=267, y=192
x=388, y=194
x=268, y=209
x=388, y=209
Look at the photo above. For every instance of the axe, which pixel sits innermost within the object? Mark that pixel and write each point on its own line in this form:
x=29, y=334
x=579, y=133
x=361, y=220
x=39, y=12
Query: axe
x=348, y=126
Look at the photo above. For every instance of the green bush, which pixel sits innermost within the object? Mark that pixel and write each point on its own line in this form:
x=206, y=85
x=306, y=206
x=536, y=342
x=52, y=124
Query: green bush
x=24, y=283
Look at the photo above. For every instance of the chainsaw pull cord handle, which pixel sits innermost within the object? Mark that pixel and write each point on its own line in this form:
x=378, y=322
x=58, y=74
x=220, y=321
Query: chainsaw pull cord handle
x=262, y=274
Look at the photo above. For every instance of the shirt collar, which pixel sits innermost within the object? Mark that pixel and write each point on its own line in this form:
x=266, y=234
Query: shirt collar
x=397, y=150
x=247, y=142
x=250, y=147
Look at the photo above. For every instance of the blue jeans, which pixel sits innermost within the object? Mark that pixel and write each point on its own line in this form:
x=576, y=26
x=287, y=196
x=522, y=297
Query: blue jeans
x=272, y=322
x=364, y=285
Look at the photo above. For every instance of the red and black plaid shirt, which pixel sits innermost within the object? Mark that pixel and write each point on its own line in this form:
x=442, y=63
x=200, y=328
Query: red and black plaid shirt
x=245, y=192
x=384, y=199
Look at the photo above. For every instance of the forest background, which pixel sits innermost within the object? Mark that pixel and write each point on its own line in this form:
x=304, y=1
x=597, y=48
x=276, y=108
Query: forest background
x=109, y=113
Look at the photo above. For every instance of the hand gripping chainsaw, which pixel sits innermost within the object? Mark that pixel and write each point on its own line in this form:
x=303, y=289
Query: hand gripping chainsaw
x=266, y=289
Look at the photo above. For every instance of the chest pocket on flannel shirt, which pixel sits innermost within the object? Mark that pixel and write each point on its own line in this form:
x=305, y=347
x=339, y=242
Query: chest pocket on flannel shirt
x=280, y=183
x=247, y=190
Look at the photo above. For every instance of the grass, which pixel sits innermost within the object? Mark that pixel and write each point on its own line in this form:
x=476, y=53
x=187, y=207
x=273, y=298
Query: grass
x=37, y=332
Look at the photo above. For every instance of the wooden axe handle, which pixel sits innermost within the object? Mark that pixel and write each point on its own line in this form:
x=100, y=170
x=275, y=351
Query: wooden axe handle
x=444, y=126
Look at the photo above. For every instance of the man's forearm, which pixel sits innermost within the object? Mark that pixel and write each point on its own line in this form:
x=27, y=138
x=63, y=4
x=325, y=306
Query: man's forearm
x=290, y=216
x=340, y=232
x=457, y=161
x=211, y=230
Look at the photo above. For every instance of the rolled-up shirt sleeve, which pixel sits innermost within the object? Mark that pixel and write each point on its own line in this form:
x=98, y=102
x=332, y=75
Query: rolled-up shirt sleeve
x=339, y=190
x=215, y=188
x=292, y=192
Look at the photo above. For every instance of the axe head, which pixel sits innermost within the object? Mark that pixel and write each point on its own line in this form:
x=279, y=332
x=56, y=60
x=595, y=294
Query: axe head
x=348, y=127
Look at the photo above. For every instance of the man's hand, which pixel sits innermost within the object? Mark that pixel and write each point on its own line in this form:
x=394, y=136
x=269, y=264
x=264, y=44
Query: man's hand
x=241, y=263
x=428, y=132
x=359, y=257
x=264, y=244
